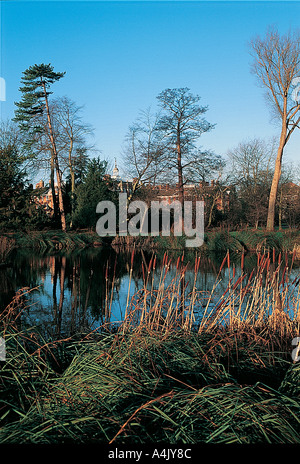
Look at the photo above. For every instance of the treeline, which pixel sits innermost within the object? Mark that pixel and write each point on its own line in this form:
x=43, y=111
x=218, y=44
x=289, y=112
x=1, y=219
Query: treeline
x=48, y=137
x=21, y=207
x=237, y=199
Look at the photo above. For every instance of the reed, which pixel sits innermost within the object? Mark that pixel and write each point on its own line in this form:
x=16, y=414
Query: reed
x=56, y=240
x=264, y=298
x=182, y=367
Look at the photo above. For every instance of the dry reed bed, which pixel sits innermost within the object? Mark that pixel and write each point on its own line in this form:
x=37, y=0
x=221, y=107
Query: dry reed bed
x=164, y=375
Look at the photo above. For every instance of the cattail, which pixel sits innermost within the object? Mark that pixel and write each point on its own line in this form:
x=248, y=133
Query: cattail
x=150, y=264
x=164, y=258
x=258, y=259
x=197, y=264
x=222, y=265
x=132, y=257
x=283, y=274
x=143, y=272
x=106, y=271
x=293, y=257
x=268, y=265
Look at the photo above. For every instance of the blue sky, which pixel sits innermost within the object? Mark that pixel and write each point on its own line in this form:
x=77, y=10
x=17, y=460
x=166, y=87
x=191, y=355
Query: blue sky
x=118, y=56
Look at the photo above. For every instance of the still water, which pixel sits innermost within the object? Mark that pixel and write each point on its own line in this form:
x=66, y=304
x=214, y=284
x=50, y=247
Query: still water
x=70, y=292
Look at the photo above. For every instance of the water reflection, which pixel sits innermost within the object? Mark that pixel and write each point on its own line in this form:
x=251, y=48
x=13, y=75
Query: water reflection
x=84, y=288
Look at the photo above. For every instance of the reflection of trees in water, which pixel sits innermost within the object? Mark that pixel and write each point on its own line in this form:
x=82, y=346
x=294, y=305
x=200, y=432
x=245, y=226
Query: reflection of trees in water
x=24, y=270
x=85, y=282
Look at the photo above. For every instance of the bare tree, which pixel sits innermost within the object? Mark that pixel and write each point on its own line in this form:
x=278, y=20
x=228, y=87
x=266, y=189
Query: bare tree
x=71, y=134
x=182, y=123
x=288, y=196
x=277, y=66
x=72, y=138
x=144, y=153
x=251, y=171
x=71, y=142
x=250, y=159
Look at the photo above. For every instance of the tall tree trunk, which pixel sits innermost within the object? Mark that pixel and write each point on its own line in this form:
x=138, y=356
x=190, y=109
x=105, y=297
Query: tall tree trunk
x=179, y=168
x=56, y=165
x=72, y=174
x=280, y=211
x=52, y=187
x=211, y=212
x=276, y=178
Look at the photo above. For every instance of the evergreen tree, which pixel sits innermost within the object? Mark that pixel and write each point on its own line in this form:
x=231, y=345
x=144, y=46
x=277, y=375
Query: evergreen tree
x=94, y=188
x=18, y=209
x=36, y=81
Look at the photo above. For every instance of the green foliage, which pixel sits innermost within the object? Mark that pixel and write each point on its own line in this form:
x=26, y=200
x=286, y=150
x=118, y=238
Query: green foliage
x=17, y=207
x=53, y=240
x=291, y=383
x=36, y=81
x=93, y=189
x=223, y=241
x=138, y=388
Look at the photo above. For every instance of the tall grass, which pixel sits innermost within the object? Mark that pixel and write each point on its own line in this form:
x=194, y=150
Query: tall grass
x=182, y=367
x=55, y=240
x=267, y=297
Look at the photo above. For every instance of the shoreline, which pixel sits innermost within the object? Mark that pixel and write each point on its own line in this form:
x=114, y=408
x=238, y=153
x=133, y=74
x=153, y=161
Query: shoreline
x=214, y=240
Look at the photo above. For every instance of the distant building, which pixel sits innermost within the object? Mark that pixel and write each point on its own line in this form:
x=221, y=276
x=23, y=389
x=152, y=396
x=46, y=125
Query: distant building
x=116, y=175
x=45, y=198
x=119, y=184
x=193, y=191
x=197, y=191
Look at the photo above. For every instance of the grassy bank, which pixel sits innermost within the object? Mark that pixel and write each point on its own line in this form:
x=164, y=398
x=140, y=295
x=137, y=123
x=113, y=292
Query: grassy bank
x=163, y=375
x=214, y=241
x=52, y=240
x=222, y=240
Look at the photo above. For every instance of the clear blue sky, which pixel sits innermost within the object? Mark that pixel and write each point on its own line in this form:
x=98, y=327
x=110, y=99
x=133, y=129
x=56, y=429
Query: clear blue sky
x=118, y=56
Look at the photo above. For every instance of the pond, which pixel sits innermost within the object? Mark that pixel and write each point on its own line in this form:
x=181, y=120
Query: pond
x=72, y=291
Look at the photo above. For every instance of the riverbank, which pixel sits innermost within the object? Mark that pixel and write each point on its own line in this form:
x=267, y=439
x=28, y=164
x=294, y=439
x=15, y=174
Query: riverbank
x=217, y=240
x=162, y=375
x=223, y=240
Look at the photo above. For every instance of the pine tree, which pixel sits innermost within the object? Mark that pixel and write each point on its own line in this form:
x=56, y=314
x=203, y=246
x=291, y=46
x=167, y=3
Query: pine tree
x=36, y=81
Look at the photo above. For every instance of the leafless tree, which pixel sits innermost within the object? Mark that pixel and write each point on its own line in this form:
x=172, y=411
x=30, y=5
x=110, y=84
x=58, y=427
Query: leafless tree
x=182, y=123
x=251, y=171
x=277, y=67
x=71, y=134
x=144, y=153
